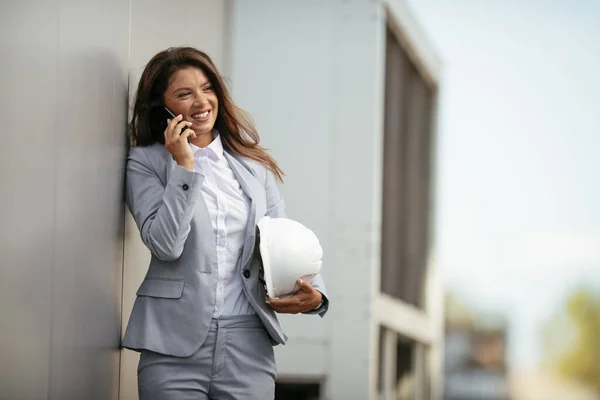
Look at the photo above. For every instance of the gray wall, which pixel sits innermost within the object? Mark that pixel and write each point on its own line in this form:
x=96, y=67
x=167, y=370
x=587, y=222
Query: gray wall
x=65, y=261
x=63, y=108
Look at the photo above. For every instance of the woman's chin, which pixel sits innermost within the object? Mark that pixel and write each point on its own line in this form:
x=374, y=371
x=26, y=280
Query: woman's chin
x=202, y=129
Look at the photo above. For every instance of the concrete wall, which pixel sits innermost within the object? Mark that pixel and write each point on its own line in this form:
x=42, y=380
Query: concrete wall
x=63, y=102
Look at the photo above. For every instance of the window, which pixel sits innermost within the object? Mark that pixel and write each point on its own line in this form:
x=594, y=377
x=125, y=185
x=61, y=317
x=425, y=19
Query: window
x=406, y=176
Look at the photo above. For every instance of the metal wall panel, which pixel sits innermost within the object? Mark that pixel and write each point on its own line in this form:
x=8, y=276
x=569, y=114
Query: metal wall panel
x=63, y=108
x=27, y=94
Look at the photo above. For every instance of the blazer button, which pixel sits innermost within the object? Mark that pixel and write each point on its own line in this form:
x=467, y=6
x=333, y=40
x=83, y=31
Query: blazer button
x=246, y=273
x=185, y=186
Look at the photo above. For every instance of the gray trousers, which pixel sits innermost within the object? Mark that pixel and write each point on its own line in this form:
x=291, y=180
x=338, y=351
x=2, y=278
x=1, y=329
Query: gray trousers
x=236, y=362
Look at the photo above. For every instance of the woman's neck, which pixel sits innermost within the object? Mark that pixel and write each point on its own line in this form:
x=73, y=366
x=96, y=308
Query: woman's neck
x=202, y=140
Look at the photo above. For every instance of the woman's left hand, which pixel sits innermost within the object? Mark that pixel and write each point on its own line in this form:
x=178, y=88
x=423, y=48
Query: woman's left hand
x=307, y=298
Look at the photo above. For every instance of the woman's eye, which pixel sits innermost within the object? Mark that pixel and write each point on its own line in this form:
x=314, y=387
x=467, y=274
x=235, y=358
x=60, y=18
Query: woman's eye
x=208, y=89
x=183, y=94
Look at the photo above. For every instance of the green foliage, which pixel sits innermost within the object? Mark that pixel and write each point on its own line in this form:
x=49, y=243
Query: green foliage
x=572, y=339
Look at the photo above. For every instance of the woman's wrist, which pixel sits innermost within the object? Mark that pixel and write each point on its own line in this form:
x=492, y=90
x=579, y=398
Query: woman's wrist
x=320, y=301
x=186, y=163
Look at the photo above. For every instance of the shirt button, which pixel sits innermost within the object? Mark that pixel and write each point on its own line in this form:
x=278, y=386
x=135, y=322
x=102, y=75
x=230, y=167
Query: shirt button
x=246, y=273
x=185, y=186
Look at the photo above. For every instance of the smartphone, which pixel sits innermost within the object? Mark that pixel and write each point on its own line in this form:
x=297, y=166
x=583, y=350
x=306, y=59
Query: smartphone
x=173, y=116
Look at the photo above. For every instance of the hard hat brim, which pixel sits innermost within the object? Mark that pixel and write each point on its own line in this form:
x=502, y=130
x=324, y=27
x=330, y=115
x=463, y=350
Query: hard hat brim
x=263, y=227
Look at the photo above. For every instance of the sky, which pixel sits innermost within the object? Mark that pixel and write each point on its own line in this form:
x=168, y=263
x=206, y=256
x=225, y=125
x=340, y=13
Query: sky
x=518, y=173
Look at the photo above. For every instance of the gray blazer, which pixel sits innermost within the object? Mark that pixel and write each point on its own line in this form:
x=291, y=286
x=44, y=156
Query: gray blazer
x=174, y=304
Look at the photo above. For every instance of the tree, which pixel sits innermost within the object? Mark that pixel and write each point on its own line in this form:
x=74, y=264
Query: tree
x=572, y=339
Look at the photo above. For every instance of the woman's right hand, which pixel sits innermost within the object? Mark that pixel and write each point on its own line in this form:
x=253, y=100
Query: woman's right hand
x=176, y=141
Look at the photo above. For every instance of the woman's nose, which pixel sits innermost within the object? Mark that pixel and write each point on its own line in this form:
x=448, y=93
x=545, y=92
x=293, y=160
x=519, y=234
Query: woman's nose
x=200, y=99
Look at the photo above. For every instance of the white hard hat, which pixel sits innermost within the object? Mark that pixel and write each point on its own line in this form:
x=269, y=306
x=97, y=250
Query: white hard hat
x=289, y=251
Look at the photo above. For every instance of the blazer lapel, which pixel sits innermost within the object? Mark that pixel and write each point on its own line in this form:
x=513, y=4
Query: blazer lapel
x=256, y=193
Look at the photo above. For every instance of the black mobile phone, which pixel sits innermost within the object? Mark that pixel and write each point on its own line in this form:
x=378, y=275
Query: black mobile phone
x=171, y=115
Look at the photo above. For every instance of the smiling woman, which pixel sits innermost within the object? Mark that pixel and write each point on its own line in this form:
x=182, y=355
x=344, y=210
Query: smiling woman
x=190, y=94
x=186, y=81
x=197, y=183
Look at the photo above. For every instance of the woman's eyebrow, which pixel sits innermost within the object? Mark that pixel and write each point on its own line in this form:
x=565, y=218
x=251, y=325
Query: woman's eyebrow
x=207, y=83
x=181, y=88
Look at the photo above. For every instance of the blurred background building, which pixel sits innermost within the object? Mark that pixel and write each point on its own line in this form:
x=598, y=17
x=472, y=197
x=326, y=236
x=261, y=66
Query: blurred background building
x=475, y=359
x=517, y=217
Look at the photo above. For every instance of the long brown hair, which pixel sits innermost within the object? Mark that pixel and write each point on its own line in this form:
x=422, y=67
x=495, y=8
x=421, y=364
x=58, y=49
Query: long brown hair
x=235, y=125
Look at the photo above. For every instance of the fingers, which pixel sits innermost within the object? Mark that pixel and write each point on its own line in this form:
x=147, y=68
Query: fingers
x=295, y=304
x=285, y=302
x=286, y=309
x=304, y=294
x=188, y=133
x=305, y=287
x=176, y=141
x=175, y=127
x=179, y=128
x=305, y=299
x=172, y=123
x=165, y=133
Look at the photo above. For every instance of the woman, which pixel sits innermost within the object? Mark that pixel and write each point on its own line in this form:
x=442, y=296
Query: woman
x=196, y=185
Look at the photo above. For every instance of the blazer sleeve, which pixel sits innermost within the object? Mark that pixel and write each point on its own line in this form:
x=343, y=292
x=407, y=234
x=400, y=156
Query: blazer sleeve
x=276, y=209
x=162, y=212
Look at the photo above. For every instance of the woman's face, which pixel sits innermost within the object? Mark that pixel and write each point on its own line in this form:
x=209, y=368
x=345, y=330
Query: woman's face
x=190, y=94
